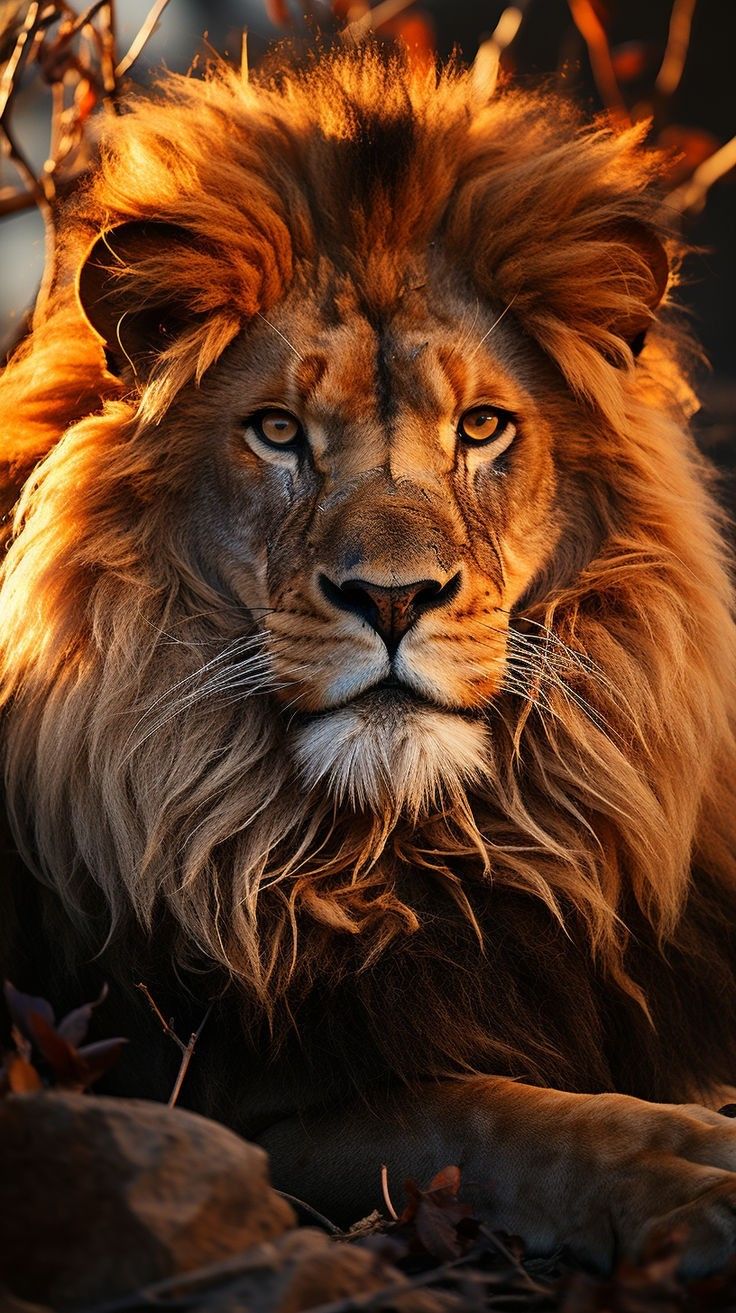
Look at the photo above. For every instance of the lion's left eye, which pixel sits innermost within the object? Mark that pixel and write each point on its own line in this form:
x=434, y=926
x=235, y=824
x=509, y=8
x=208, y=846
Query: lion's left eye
x=486, y=426
x=276, y=428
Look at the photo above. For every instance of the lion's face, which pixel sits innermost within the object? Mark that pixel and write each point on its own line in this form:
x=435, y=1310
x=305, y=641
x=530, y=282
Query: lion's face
x=381, y=492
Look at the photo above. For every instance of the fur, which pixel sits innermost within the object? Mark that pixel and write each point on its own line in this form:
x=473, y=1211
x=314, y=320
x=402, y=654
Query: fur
x=179, y=750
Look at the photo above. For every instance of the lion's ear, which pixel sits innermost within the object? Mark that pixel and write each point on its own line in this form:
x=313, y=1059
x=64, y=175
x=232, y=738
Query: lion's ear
x=126, y=287
x=647, y=284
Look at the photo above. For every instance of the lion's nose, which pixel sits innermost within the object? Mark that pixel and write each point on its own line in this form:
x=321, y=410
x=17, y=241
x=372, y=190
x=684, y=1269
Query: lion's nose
x=390, y=611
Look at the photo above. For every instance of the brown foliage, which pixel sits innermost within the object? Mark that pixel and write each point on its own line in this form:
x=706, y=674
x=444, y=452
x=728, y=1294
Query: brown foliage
x=44, y=1046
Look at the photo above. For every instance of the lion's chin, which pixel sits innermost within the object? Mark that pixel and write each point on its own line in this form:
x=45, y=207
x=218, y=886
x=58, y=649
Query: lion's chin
x=390, y=754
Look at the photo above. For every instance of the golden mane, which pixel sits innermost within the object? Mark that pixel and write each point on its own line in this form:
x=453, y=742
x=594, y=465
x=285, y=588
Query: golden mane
x=607, y=802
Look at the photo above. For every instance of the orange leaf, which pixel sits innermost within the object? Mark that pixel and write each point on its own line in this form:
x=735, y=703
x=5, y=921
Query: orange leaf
x=21, y=1075
x=447, y=1182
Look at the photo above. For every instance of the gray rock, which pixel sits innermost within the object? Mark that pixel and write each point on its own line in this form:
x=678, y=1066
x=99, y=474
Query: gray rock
x=102, y=1196
x=307, y=1270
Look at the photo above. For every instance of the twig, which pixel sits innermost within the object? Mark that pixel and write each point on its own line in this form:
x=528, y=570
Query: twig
x=511, y=1258
x=83, y=20
x=593, y=33
x=12, y=200
x=334, y=1230
x=487, y=61
x=43, y=189
x=386, y=1195
x=678, y=43
x=690, y=196
x=14, y=66
x=107, y=54
x=187, y=1050
x=67, y=71
x=145, y=31
x=372, y=19
x=164, y=1024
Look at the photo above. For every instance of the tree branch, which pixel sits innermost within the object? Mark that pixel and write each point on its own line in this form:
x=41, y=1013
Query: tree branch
x=186, y=1049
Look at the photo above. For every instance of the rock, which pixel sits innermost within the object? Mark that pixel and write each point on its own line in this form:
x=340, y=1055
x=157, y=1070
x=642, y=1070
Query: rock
x=325, y=1272
x=307, y=1270
x=101, y=1196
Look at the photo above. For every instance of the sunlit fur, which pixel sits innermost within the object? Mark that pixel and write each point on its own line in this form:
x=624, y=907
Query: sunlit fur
x=155, y=744
x=392, y=761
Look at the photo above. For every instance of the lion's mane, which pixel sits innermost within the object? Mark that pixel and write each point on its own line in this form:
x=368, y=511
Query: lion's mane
x=588, y=826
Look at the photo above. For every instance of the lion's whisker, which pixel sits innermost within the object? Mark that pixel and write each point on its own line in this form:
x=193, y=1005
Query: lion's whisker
x=281, y=335
x=495, y=324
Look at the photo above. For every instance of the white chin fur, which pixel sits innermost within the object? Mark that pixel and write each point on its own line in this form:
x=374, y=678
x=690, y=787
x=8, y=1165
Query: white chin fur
x=383, y=757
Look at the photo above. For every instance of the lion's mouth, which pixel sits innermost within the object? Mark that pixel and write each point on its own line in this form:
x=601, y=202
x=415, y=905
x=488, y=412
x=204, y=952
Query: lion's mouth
x=392, y=694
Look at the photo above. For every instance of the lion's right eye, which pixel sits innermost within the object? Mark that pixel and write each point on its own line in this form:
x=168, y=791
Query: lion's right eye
x=277, y=428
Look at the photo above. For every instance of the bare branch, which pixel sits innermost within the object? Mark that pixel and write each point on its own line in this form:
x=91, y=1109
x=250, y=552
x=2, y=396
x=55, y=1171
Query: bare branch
x=107, y=52
x=371, y=19
x=187, y=1056
x=593, y=33
x=12, y=201
x=386, y=1195
x=314, y=1213
x=83, y=20
x=166, y=1026
x=139, y=42
x=487, y=61
x=186, y=1050
x=14, y=66
x=690, y=196
x=678, y=44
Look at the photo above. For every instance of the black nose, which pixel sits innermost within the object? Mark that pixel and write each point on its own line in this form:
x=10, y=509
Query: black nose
x=390, y=611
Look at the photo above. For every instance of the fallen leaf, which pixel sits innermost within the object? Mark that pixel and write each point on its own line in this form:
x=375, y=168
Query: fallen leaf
x=21, y=1075
x=22, y=1006
x=74, y=1026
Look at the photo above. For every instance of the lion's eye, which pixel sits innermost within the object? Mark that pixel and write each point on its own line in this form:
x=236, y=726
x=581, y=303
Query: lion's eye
x=486, y=425
x=277, y=428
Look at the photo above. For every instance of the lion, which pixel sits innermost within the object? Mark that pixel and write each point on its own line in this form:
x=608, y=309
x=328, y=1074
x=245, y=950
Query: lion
x=368, y=647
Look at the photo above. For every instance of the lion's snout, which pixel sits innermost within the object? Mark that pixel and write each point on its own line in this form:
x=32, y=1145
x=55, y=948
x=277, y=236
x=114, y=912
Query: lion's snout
x=390, y=610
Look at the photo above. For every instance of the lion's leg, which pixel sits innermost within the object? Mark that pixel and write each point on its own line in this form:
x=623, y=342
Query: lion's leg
x=600, y=1173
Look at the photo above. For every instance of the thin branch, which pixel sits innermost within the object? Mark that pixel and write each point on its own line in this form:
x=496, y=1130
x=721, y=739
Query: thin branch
x=140, y=40
x=313, y=1212
x=14, y=66
x=593, y=33
x=158, y=1014
x=521, y=1272
x=487, y=62
x=107, y=45
x=42, y=189
x=186, y=1050
x=676, y=50
x=187, y=1057
x=691, y=196
x=12, y=200
x=386, y=1195
x=372, y=19
x=83, y=20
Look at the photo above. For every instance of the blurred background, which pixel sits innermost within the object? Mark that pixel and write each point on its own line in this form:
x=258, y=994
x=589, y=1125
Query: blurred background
x=670, y=61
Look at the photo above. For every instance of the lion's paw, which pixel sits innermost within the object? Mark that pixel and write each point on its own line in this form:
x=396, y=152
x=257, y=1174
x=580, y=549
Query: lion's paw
x=664, y=1169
